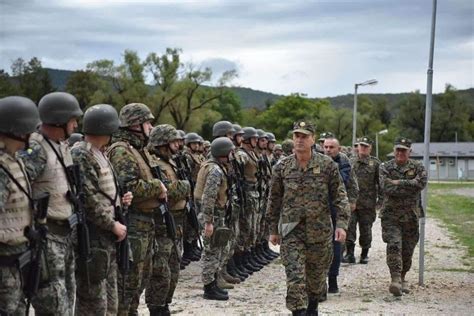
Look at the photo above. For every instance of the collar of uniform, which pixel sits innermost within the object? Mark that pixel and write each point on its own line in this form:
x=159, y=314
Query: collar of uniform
x=129, y=137
x=312, y=163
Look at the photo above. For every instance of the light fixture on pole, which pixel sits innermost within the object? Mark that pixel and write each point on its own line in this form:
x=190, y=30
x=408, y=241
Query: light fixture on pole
x=382, y=132
x=370, y=82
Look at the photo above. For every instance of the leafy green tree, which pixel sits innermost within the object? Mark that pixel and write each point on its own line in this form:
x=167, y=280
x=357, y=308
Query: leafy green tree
x=83, y=85
x=411, y=117
x=33, y=80
x=7, y=88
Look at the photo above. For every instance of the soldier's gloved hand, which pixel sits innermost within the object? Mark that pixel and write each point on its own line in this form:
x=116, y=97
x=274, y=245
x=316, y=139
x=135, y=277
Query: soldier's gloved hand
x=120, y=231
x=340, y=235
x=127, y=198
x=275, y=239
x=208, y=230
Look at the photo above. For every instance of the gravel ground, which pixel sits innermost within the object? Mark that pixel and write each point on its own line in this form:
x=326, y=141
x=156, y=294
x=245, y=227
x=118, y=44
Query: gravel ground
x=448, y=289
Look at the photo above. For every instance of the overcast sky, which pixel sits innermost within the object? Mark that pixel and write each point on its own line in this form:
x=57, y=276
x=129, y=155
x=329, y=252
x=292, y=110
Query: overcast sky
x=316, y=47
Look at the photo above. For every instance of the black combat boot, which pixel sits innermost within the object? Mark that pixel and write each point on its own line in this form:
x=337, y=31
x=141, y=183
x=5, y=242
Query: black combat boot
x=211, y=292
x=248, y=264
x=364, y=258
x=332, y=288
x=349, y=257
x=166, y=310
x=231, y=269
x=312, y=309
x=256, y=256
x=239, y=267
x=299, y=312
x=187, y=251
x=272, y=253
x=158, y=311
x=252, y=261
x=266, y=252
x=261, y=253
x=196, y=251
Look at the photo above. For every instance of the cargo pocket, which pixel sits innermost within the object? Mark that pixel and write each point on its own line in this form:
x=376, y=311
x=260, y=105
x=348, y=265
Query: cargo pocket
x=98, y=266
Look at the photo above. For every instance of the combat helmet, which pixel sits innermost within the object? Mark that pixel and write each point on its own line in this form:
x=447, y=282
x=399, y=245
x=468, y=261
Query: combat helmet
x=74, y=138
x=135, y=114
x=18, y=116
x=222, y=128
x=287, y=146
x=162, y=135
x=101, y=120
x=237, y=130
x=221, y=147
x=249, y=132
x=261, y=133
x=192, y=138
x=181, y=134
x=271, y=137
x=57, y=108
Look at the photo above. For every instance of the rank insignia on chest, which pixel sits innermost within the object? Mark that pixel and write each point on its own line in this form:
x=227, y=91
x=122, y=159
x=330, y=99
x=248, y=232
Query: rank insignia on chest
x=371, y=163
x=410, y=172
x=317, y=170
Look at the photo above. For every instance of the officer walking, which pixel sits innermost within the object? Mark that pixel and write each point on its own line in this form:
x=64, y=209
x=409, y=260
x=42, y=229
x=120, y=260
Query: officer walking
x=402, y=180
x=301, y=187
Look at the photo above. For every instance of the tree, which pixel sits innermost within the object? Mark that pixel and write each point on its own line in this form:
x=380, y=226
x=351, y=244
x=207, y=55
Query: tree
x=33, y=80
x=411, y=117
x=83, y=85
x=7, y=88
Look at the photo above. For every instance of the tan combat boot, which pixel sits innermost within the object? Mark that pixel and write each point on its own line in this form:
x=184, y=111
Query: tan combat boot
x=396, y=285
x=228, y=278
x=221, y=283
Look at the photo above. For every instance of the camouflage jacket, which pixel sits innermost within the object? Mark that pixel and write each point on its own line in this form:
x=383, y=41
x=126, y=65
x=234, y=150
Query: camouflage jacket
x=402, y=198
x=367, y=173
x=298, y=195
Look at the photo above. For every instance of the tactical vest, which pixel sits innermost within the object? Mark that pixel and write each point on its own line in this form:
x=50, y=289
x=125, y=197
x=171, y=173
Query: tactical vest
x=16, y=215
x=145, y=204
x=198, y=159
x=53, y=179
x=168, y=170
x=250, y=168
x=201, y=182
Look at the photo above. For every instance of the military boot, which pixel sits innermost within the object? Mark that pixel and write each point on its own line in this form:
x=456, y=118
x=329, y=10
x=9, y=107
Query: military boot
x=261, y=252
x=222, y=284
x=396, y=285
x=157, y=311
x=270, y=252
x=364, y=258
x=229, y=278
x=256, y=256
x=251, y=260
x=349, y=257
x=239, y=267
x=248, y=264
x=312, y=309
x=333, y=288
x=405, y=286
x=299, y=312
x=211, y=292
x=187, y=251
x=232, y=270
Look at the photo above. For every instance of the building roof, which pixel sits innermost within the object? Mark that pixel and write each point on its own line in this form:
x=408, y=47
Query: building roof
x=461, y=150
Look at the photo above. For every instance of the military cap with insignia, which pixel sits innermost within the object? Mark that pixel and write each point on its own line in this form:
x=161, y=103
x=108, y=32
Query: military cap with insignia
x=325, y=135
x=365, y=140
x=402, y=142
x=304, y=127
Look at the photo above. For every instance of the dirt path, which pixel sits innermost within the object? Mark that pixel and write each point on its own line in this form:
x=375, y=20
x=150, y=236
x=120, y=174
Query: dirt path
x=448, y=290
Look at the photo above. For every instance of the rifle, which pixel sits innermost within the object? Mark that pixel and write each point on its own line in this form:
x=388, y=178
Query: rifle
x=168, y=218
x=184, y=173
x=78, y=198
x=123, y=247
x=36, y=235
x=239, y=182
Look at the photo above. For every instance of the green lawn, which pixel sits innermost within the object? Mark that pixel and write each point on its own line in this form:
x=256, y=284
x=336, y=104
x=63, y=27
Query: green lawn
x=456, y=211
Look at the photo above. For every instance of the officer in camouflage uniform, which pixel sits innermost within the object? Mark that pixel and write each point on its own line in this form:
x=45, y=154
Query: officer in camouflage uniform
x=299, y=217
x=98, y=295
x=164, y=143
x=366, y=168
x=402, y=180
x=46, y=161
x=18, y=118
x=131, y=164
x=212, y=195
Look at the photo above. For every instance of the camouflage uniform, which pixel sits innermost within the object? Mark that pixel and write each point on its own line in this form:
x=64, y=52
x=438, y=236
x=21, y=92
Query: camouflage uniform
x=130, y=164
x=401, y=212
x=298, y=210
x=12, y=241
x=100, y=296
x=265, y=174
x=367, y=172
x=211, y=196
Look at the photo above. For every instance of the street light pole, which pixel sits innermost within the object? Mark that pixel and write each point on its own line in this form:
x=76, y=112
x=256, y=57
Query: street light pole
x=384, y=131
x=370, y=82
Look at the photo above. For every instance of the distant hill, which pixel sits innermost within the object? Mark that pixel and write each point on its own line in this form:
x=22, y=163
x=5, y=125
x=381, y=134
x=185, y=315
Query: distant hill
x=258, y=99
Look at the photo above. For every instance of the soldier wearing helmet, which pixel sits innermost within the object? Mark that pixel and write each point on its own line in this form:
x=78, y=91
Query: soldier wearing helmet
x=277, y=154
x=181, y=139
x=131, y=163
x=211, y=195
x=206, y=146
x=237, y=135
x=47, y=160
x=287, y=146
x=222, y=129
x=99, y=294
x=164, y=143
x=18, y=119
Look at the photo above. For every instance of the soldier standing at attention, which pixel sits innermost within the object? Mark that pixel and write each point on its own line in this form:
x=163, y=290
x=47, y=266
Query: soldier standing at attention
x=18, y=119
x=98, y=295
x=366, y=169
x=301, y=187
x=47, y=161
x=129, y=161
x=164, y=143
x=212, y=195
x=402, y=180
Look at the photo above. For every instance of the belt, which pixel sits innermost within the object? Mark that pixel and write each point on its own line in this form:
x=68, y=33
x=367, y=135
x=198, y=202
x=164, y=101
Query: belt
x=58, y=227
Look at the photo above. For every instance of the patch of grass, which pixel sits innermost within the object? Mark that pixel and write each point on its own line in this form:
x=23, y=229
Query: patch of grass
x=457, y=212
x=456, y=270
x=433, y=185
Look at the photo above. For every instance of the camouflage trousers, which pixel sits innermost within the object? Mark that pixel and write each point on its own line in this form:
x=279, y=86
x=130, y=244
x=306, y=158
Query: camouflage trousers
x=99, y=295
x=401, y=239
x=248, y=221
x=364, y=218
x=306, y=266
x=229, y=250
x=263, y=230
x=141, y=236
x=12, y=300
x=165, y=267
x=57, y=290
x=212, y=260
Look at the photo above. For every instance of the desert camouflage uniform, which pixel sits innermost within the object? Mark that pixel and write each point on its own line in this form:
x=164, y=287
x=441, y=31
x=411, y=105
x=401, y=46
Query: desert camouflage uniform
x=401, y=212
x=211, y=196
x=57, y=291
x=141, y=232
x=367, y=173
x=12, y=241
x=298, y=210
x=100, y=296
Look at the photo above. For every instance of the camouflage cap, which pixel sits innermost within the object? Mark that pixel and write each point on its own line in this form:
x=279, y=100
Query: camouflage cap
x=162, y=135
x=304, y=127
x=278, y=147
x=135, y=114
x=325, y=135
x=402, y=142
x=365, y=140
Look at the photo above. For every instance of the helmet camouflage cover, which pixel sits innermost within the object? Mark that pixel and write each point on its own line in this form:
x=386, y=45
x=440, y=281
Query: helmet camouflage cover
x=162, y=135
x=135, y=114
